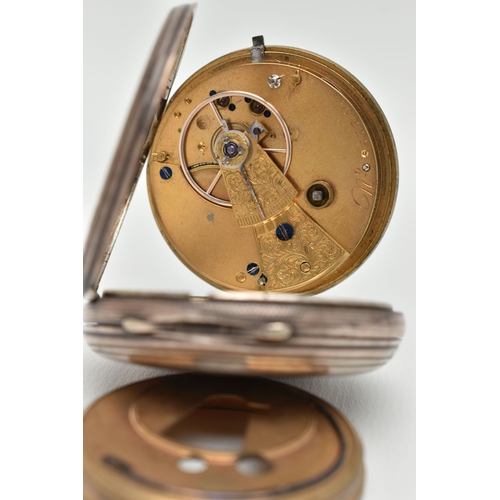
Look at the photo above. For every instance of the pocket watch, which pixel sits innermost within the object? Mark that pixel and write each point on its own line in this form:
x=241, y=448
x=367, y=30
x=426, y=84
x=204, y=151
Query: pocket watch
x=272, y=174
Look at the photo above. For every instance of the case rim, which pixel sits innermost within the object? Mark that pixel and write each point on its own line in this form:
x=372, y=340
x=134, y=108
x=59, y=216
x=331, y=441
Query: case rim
x=133, y=148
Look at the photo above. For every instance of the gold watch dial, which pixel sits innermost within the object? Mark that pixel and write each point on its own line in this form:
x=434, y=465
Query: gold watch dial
x=274, y=176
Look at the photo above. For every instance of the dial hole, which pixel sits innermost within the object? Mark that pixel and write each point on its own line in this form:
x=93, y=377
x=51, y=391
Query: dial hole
x=223, y=102
x=319, y=194
x=256, y=107
x=252, y=465
x=218, y=424
x=192, y=465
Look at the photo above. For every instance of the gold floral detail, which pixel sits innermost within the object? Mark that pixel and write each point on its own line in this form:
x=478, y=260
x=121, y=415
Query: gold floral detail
x=282, y=260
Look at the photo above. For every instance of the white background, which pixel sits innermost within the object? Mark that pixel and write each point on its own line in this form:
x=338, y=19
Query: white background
x=373, y=40
x=457, y=269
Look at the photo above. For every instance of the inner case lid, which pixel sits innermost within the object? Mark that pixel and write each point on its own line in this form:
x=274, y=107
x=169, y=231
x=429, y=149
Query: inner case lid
x=187, y=437
x=133, y=148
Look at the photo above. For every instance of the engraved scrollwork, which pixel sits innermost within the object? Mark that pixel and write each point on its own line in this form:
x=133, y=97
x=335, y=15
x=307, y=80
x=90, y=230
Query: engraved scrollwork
x=272, y=189
x=282, y=260
x=240, y=196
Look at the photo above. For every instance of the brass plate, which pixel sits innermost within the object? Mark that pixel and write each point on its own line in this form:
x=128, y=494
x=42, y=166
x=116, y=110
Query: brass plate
x=227, y=213
x=196, y=437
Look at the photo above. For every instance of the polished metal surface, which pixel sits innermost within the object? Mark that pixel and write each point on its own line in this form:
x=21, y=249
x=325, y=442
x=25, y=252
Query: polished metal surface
x=187, y=437
x=134, y=145
x=243, y=333
x=322, y=127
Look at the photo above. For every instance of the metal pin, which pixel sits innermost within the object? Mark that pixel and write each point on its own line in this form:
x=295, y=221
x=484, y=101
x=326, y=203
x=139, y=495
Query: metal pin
x=91, y=295
x=258, y=49
x=214, y=182
x=317, y=195
x=296, y=79
x=137, y=326
x=274, y=150
x=276, y=331
x=219, y=116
